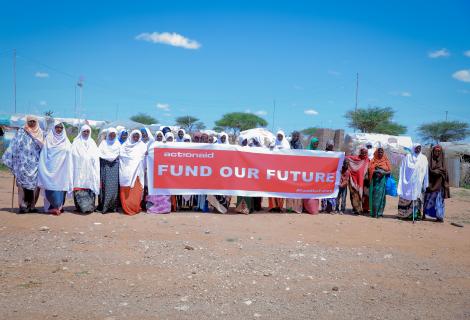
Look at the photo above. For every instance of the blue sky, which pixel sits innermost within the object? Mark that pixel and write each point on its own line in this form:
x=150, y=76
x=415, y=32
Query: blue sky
x=223, y=56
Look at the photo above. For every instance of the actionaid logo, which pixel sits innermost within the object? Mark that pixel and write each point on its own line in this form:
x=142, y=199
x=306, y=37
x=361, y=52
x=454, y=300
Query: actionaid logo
x=189, y=155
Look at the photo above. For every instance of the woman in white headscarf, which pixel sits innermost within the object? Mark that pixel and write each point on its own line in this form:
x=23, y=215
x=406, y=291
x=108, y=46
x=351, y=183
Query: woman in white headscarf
x=222, y=138
x=187, y=138
x=108, y=200
x=86, y=171
x=56, y=169
x=277, y=204
x=412, y=183
x=131, y=173
x=169, y=137
x=22, y=158
x=147, y=136
x=159, y=136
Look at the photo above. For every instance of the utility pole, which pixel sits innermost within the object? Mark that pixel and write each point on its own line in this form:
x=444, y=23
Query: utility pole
x=446, y=114
x=14, y=77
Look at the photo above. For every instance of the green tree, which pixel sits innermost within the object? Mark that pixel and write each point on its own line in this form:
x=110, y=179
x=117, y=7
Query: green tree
x=443, y=131
x=190, y=123
x=239, y=121
x=144, y=118
x=374, y=120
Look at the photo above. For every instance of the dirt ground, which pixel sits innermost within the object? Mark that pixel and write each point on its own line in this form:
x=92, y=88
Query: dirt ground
x=261, y=266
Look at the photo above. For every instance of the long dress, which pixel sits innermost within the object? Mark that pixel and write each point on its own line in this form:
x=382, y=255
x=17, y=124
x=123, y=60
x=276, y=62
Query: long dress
x=56, y=171
x=131, y=174
x=86, y=172
x=438, y=188
x=22, y=158
x=379, y=169
x=108, y=199
x=413, y=181
x=358, y=169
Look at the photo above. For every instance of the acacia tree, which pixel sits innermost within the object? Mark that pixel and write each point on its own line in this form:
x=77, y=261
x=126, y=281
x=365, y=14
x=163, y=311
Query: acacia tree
x=239, y=121
x=144, y=118
x=190, y=123
x=374, y=120
x=443, y=131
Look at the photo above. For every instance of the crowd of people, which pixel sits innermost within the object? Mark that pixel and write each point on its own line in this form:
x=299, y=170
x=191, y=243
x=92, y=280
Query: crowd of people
x=112, y=177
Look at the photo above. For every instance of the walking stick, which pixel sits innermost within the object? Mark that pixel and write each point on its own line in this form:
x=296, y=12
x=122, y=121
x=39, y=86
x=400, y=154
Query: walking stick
x=13, y=192
x=413, y=212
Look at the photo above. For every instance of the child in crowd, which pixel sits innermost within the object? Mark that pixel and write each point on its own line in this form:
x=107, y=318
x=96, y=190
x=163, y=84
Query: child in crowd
x=343, y=187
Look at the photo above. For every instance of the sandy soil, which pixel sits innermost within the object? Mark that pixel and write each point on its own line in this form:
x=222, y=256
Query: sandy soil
x=261, y=266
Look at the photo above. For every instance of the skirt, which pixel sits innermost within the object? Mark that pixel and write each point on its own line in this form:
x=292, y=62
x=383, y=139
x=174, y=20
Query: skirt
x=159, y=204
x=219, y=203
x=294, y=205
x=276, y=204
x=84, y=200
x=311, y=205
x=434, y=205
x=186, y=202
x=407, y=209
x=131, y=198
x=108, y=199
x=55, y=201
x=245, y=205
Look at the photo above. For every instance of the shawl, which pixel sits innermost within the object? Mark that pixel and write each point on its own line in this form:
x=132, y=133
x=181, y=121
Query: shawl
x=281, y=144
x=22, y=158
x=156, y=136
x=187, y=137
x=35, y=132
x=311, y=144
x=413, y=175
x=219, y=139
x=109, y=148
x=357, y=169
x=131, y=157
x=178, y=139
x=376, y=163
x=55, y=162
x=438, y=177
x=86, y=162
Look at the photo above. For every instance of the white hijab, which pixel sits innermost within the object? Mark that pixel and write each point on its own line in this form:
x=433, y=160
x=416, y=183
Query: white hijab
x=55, y=162
x=168, y=135
x=86, y=162
x=109, y=148
x=219, y=138
x=187, y=137
x=131, y=157
x=413, y=175
x=178, y=139
x=156, y=135
x=151, y=139
x=281, y=144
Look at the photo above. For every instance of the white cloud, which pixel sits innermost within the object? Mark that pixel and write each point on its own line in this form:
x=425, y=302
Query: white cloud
x=172, y=39
x=467, y=53
x=40, y=74
x=462, y=75
x=439, y=53
x=43, y=103
x=310, y=112
x=401, y=93
x=163, y=106
x=261, y=113
x=334, y=72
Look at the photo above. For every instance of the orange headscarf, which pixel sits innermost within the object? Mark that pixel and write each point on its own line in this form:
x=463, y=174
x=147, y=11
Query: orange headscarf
x=35, y=132
x=383, y=163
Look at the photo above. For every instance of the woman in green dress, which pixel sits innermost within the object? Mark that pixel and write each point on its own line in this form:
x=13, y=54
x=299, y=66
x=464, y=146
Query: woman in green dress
x=379, y=169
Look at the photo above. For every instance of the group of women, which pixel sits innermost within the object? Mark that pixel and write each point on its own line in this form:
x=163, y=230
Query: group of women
x=113, y=175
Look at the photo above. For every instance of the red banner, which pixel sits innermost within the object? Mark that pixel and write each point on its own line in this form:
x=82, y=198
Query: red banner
x=183, y=168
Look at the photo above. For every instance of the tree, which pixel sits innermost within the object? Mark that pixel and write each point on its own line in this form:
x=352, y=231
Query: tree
x=239, y=121
x=443, y=131
x=144, y=118
x=374, y=120
x=189, y=123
